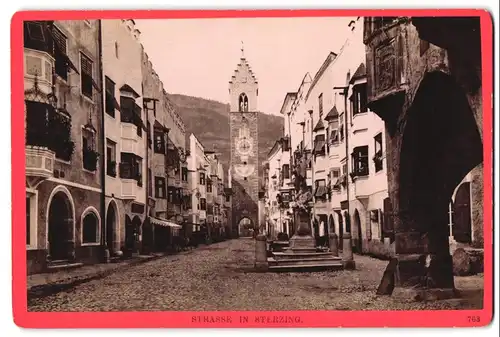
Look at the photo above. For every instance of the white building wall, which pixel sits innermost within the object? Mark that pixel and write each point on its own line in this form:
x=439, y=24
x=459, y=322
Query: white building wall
x=121, y=50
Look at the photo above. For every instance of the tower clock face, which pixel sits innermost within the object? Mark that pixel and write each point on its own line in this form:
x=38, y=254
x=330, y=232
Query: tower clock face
x=244, y=146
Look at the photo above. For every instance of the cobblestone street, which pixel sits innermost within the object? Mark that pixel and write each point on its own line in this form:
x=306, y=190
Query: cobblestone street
x=219, y=277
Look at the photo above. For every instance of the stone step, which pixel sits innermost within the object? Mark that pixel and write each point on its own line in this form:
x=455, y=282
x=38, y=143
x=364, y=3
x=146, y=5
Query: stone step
x=54, y=266
x=306, y=267
x=302, y=250
x=305, y=255
x=321, y=260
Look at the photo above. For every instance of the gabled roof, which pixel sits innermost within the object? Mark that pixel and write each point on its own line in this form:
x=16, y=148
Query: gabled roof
x=359, y=73
x=332, y=114
x=128, y=88
x=319, y=125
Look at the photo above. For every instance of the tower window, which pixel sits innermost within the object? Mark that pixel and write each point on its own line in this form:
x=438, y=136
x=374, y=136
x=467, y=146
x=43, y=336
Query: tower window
x=243, y=103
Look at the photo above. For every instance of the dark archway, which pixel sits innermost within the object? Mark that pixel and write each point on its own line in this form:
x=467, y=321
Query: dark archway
x=440, y=145
x=358, y=240
x=331, y=224
x=246, y=227
x=341, y=230
x=111, y=227
x=347, y=222
x=129, y=235
x=462, y=231
x=60, y=227
x=147, y=237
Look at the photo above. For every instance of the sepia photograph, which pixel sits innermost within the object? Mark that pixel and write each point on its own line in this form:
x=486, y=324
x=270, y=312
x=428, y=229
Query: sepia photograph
x=256, y=164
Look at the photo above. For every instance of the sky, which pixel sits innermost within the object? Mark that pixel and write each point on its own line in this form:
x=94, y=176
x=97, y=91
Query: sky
x=197, y=57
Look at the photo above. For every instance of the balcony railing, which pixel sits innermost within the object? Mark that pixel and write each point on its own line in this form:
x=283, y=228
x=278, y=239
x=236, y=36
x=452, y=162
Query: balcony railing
x=48, y=128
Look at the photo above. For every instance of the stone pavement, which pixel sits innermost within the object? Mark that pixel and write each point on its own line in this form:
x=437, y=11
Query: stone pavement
x=220, y=277
x=37, y=284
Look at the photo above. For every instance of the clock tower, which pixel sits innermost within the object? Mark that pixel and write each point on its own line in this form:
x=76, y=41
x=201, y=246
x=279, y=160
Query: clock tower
x=243, y=123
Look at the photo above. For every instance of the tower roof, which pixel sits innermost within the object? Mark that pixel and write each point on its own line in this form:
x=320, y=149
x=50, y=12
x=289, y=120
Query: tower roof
x=243, y=71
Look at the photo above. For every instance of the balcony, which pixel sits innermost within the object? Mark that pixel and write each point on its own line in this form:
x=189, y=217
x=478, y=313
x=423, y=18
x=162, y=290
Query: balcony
x=48, y=128
x=38, y=67
x=129, y=138
x=39, y=162
x=362, y=187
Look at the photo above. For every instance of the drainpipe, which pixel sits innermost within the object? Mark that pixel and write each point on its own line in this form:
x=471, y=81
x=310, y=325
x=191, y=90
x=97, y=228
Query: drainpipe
x=146, y=181
x=312, y=173
x=345, y=90
x=166, y=171
x=104, y=224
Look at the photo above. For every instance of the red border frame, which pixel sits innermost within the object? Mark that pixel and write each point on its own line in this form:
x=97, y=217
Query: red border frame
x=442, y=318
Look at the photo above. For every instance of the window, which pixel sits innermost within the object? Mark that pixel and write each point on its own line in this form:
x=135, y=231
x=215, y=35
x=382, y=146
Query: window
x=228, y=198
x=359, y=99
x=89, y=154
x=61, y=42
x=209, y=186
x=110, y=158
x=184, y=174
x=127, y=109
x=138, y=119
x=320, y=105
x=243, y=103
x=203, y=204
x=202, y=178
x=159, y=142
x=90, y=229
x=110, y=104
x=160, y=188
x=171, y=194
x=379, y=164
x=344, y=169
x=335, y=178
x=286, y=171
x=360, y=161
x=319, y=145
x=131, y=167
x=86, y=65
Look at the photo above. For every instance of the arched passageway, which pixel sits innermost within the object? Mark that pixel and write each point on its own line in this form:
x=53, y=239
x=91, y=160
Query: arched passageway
x=461, y=218
x=111, y=227
x=440, y=145
x=60, y=226
x=358, y=240
x=246, y=227
x=341, y=230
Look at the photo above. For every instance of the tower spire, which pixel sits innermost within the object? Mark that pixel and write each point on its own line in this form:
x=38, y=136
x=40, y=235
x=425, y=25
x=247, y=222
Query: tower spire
x=242, y=50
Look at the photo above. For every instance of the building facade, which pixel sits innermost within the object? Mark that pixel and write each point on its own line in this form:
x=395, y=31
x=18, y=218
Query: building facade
x=63, y=111
x=197, y=164
x=421, y=78
x=125, y=136
x=243, y=124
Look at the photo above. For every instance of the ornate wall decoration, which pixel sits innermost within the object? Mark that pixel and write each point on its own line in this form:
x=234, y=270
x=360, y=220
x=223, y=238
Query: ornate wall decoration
x=385, y=65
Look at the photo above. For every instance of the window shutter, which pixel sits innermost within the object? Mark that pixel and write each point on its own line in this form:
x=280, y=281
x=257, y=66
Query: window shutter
x=60, y=40
x=86, y=65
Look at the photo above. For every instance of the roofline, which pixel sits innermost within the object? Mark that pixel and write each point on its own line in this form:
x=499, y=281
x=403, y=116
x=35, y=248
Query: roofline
x=329, y=60
x=288, y=97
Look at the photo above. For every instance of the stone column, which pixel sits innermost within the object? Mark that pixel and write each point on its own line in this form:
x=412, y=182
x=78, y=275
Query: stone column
x=425, y=267
x=261, y=253
x=347, y=255
x=334, y=245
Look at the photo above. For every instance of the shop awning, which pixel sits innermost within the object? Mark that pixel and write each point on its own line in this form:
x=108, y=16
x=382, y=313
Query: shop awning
x=163, y=223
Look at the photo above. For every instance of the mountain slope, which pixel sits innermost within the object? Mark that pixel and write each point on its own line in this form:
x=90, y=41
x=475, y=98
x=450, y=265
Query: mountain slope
x=209, y=121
